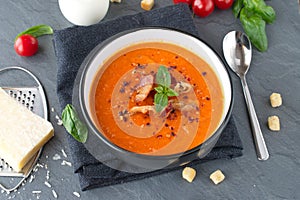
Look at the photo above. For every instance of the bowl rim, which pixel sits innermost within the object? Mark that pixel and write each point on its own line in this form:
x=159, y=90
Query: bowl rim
x=90, y=57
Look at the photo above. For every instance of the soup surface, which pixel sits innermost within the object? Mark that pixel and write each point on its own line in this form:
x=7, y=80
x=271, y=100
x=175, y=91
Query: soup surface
x=123, y=99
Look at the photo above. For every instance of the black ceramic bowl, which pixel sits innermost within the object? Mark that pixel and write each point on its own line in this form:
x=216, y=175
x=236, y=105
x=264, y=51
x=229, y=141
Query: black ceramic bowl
x=105, y=50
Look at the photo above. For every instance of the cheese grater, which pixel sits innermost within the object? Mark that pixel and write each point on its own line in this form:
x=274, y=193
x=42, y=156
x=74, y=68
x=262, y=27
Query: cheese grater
x=30, y=94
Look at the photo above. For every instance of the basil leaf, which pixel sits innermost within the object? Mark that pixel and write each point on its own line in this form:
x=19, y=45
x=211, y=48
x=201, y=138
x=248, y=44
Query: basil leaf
x=254, y=27
x=259, y=6
x=252, y=4
x=160, y=101
x=171, y=93
x=73, y=124
x=37, y=31
x=159, y=89
x=267, y=13
x=237, y=6
x=163, y=77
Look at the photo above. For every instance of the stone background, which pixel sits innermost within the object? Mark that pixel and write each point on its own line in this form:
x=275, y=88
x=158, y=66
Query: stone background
x=277, y=70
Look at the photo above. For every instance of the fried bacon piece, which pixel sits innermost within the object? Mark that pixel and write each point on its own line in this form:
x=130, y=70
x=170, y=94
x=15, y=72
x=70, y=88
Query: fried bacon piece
x=173, y=105
x=144, y=88
x=141, y=109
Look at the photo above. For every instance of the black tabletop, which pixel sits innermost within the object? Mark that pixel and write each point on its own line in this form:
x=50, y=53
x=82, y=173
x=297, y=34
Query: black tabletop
x=276, y=70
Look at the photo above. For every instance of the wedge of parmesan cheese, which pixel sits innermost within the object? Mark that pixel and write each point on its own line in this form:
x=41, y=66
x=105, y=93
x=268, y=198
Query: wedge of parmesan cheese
x=22, y=133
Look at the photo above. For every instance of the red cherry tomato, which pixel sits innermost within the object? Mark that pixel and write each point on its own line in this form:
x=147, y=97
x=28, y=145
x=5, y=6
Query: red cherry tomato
x=26, y=45
x=203, y=8
x=183, y=1
x=223, y=4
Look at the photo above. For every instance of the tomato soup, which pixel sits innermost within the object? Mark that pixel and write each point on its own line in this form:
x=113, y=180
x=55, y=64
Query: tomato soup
x=124, y=102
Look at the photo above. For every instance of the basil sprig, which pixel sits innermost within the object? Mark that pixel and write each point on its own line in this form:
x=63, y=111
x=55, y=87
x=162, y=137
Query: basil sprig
x=163, y=90
x=37, y=31
x=254, y=14
x=73, y=124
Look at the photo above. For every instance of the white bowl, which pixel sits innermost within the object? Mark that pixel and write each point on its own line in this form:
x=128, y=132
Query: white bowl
x=125, y=39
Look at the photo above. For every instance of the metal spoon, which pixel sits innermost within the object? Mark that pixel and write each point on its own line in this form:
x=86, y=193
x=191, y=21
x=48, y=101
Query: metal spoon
x=238, y=52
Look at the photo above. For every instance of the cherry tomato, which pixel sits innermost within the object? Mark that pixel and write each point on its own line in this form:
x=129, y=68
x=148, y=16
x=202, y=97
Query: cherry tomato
x=26, y=45
x=223, y=4
x=203, y=8
x=183, y=1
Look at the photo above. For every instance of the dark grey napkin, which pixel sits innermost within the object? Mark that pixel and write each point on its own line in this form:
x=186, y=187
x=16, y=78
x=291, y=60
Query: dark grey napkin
x=73, y=44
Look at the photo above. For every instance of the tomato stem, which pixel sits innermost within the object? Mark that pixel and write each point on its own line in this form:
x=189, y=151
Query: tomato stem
x=37, y=31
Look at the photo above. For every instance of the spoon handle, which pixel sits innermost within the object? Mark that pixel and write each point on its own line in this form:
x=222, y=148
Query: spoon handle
x=261, y=148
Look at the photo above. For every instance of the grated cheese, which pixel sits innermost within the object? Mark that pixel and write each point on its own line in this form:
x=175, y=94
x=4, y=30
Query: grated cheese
x=31, y=178
x=66, y=163
x=54, y=194
x=76, y=194
x=48, y=175
x=64, y=153
x=56, y=157
x=47, y=184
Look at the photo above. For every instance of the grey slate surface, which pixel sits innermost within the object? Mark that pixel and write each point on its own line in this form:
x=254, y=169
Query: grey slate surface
x=277, y=70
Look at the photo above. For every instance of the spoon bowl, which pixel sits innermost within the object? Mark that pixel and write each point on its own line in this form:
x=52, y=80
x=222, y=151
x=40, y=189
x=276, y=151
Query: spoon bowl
x=238, y=53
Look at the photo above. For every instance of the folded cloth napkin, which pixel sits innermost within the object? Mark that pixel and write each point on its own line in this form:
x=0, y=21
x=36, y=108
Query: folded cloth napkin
x=73, y=44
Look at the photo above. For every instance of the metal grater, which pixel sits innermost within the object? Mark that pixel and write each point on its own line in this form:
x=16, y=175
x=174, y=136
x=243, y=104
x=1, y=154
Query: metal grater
x=32, y=97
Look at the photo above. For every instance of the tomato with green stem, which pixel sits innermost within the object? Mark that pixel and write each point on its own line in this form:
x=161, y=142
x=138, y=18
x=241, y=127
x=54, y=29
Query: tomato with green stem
x=26, y=45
